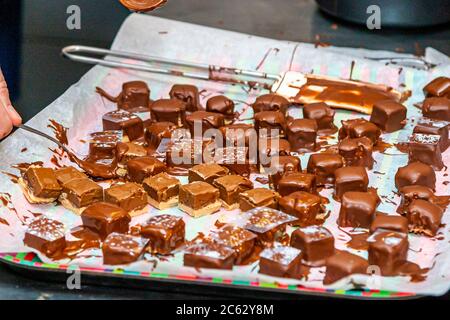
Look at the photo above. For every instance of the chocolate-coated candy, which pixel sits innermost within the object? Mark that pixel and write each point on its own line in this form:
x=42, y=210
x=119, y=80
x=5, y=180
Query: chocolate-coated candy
x=162, y=190
x=230, y=187
x=387, y=250
x=424, y=217
x=415, y=173
x=169, y=110
x=302, y=134
x=102, y=145
x=280, y=166
x=440, y=128
x=67, y=174
x=357, y=209
x=212, y=255
x=158, y=131
x=46, y=236
x=222, y=105
x=358, y=128
x=270, y=124
x=410, y=193
x=144, y=167
x=357, y=152
x=426, y=148
x=389, y=222
x=315, y=242
x=199, y=198
x=131, y=125
x=323, y=115
x=207, y=172
x=199, y=122
x=130, y=196
x=165, y=232
x=258, y=197
x=105, y=218
x=436, y=108
x=41, y=184
x=439, y=87
x=188, y=94
x=344, y=264
x=350, y=179
x=297, y=181
x=323, y=166
x=80, y=193
x=122, y=249
x=280, y=261
x=271, y=102
x=306, y=207
x=389, y=115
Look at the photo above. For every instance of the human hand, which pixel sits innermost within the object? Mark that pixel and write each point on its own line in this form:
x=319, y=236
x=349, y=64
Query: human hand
x=8, y=116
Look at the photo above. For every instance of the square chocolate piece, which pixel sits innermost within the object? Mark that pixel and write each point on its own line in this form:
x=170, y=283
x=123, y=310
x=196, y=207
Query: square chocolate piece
x=40, y=185
x=307, y=207
x=236, y=160
x=424, y=217
x=199, y=199
x=135, y=96
x=79, y=193
x=357, y=209
x=185, y=153
x=169, y=110
x=165, y=232
x=129, y=150
x=239, y=135
x=162, y=191
x=271, y=102
x=350, y=179
x=410, y=193
x=302, y=134
x=316, y=244
x=210, y=255
x=131, y=197
x=357, y=152
x=230, y=187
x=199, y=122
x=436, y=108
x=323, y=166
x=426, y=149
x=102, y=145
x=119, y=249
x=388, y=249
x=222, y=105
x=130, y=124
x=189, y=94
x=297, y=181
x=280, y=261
x=158, y=131
x=144, y=167
x=344, y=264
x=280, y=166
x=258, y=197
x=207, y=172
x=439, y=87
x=358, y=128
x=440, y=128
x=270, y=124
x=389, y=222
x=105, y=218
x=388, y=115
x=46, y=236
x=67, y=174
x=240, y=240
x=270, y=148
x=415, y=173
x=323, y=115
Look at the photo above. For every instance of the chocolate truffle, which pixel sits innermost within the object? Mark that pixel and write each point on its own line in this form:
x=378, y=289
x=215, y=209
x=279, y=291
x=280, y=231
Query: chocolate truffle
x=415, y=173
x=344, y=264
x=357, y=152
x=357, y=209
x=426, y=148
x=270, y=124
x=40, y=185
x=131, y=197
x=158, y=131
x=258, y=197
x=271, y=102
x=207, y=172
x=203, y=121
x=389, y=222
x=105, y=218
x=46, y=235
x=222, y=105
x=121, y=249
x=410, y=193
x=323, y=115
x=296, y=181
x=350, y=179
x=307, y=207
x=424, y=217
x=323, y=166
x=130, y=124
x=440, y=128
x=77, y=194
x=144, y=167
x=67, y=174
x=387, y=250
x=169, y=110
x=280, y=166
x=389, y=115
x=211, y=255
x=316, y=244
x=165, y=233
x=439, y=87
x=199, y=199
x=239, y=239
x=188, y=94
x=280, y=261
x=436, y=108
x=358, y=128
x=302, y=134
x=162, y=190
x=102, y=145
x=230, y=187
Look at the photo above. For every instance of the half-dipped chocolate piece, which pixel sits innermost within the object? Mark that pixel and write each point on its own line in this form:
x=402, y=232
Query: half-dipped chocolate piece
x=162, y=190
x=199, y=199
x=105, y=218
x=306, y=207
x=165, y=233
x=415, y=173
x=357, y=209
x=280, y=261
x=424, y=217
x=77, y=194
x=350, y=179
x=316, y=244
x=323, y=166
x=258, y=197
x=188, y=94
x=40, y=185
x=343, y=264
x=130, y=196
x=121, y=249
x=389, y=115
x=210, y=254
x=230, y=187
x=169, y=110
x=46, y=235
x=130, y=124
x=436, y=108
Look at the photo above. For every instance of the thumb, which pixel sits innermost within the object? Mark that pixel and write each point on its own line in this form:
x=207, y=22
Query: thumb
x=6, y=102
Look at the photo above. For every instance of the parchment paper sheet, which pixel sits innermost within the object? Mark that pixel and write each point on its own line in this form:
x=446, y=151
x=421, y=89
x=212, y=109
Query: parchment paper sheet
x=80, y=109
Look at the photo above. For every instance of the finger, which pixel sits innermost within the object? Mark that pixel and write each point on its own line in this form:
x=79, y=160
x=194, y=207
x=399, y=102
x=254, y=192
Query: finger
x=6, y=124
x=6, y=102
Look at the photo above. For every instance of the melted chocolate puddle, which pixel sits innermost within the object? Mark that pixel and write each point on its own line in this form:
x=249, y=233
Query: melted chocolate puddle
x=358, y=241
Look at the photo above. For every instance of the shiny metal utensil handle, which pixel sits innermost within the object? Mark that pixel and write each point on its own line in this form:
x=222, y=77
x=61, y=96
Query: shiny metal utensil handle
x=86, y=54
x=416, y=62
x=42, y=134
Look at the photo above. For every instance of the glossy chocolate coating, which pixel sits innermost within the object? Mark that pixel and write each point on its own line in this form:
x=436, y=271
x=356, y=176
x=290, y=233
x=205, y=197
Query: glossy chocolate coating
x=158, y=131
x=230, y=186
x=320, y=112
x=162, y=187
x=315, y=242
x=135, y=95
x=357, y=209
x=169, y=110
x=198, y=194
x=82, y=192
x=389, y=115
x=280, y=166
x=323, y=166
x=186, y=153
x=212, y=255
x=122, y=249
x=436, y=108
x=105, y=218
x=357, y=152
x=102, y=145
x=144, y=167
x=126, y=151
x=222, y=105
x=189, y=94
x=307, y=207
x=302, y=134
x=440, y=128
x=67, y=174
x=389, y=222
x=280, y=261
x=424, y=217
x=46, y=236
x=415, y=173
x=131, y=125
x=296, y=181
x=268, y=148
x=273, y=121
x=236, y=160
x=426, y=148
x=204, y=120
x=350, y=179
x=439, y=87
x=410, y=193
x=129, y=196
x=271, y=102
x=207, y=172
x=165, y=232
x=258, y=197
x=343, y=264
x=239, y=134
x=42, y=182
x=358, y=128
